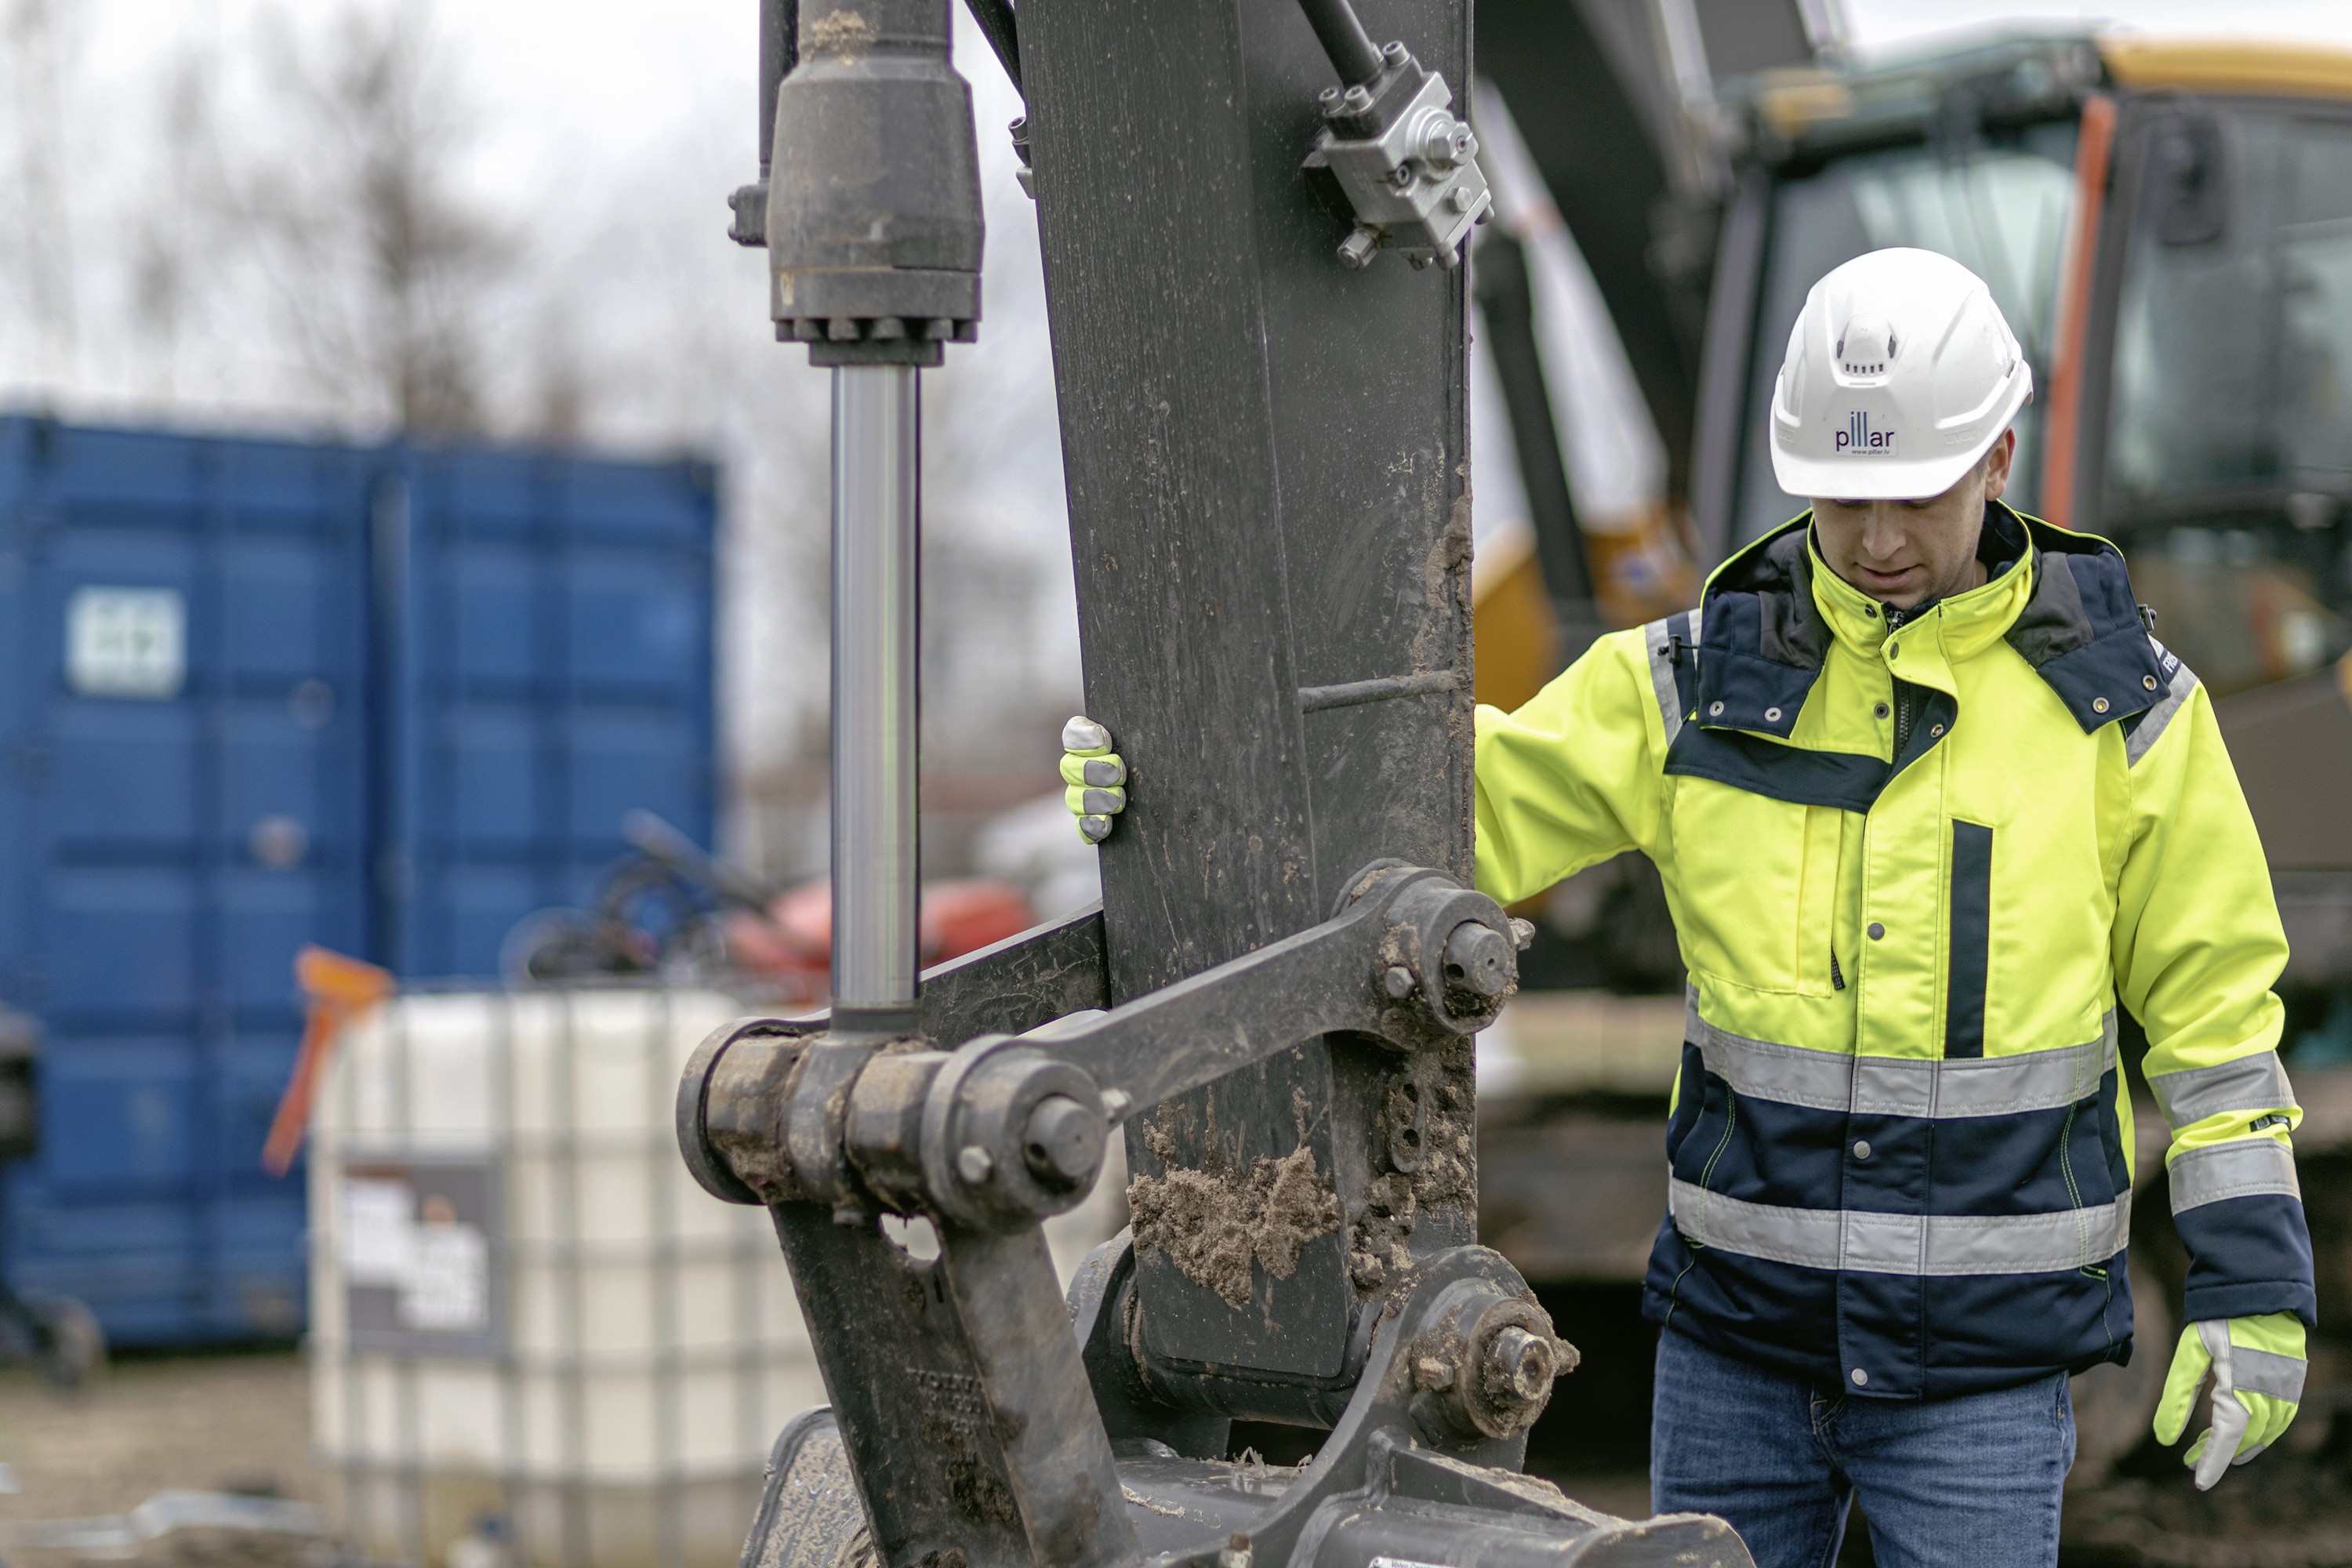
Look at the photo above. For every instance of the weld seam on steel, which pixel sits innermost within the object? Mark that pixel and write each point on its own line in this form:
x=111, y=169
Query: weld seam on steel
x=1351, y=694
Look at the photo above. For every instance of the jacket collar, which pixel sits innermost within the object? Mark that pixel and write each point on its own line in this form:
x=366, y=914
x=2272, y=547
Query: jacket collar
x=2062, y=600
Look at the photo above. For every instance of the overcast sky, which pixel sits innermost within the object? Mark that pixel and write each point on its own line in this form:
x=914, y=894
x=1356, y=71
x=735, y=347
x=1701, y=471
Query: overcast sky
x=579, y=81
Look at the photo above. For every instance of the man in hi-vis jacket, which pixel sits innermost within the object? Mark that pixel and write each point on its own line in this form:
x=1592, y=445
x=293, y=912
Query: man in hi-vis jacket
x=1931, y=806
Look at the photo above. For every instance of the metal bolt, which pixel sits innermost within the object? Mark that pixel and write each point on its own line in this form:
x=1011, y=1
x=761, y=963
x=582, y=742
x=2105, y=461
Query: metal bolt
x=1395, y=54
x=1356, y=250
x=1327, y=96
x=1478, y=959
x=1523, y=933
x=1520, y=1366
x=1459, y=198
x=1117, y=1103
x=973, y=1163
x=1356, y=99
x=1064, y=1140
x=1397, y=982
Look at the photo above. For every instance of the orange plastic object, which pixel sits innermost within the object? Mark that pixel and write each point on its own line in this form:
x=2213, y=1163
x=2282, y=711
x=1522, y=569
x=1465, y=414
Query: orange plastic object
x=794, y=939
x=340, y=990
x=2062, y=432
x=957, y=918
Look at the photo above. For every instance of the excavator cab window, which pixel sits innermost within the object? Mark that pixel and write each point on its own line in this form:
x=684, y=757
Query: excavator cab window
x=1996, y=202
x=2229, y=439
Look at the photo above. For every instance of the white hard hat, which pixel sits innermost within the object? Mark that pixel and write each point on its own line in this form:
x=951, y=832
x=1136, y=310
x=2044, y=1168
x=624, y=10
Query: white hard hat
x=1900, y=374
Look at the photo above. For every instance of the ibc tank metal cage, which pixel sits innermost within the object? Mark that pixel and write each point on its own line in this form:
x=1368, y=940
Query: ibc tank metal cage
x=528, y=1322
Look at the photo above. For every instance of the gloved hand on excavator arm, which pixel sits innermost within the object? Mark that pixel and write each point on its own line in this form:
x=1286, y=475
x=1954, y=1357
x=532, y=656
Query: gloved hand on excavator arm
x=1095, y=775
x=2257, y=1364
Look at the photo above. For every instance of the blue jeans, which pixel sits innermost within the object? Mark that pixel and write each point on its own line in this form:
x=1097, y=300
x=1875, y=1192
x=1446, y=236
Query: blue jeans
x=1973, y=1479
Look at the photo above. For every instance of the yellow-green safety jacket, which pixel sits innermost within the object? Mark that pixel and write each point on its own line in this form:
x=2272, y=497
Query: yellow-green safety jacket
x=1915, y=861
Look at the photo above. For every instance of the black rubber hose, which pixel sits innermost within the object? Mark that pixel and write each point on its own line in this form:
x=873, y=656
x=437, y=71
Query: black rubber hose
x=1353, y=54
x=780, y=48
x=997, y=25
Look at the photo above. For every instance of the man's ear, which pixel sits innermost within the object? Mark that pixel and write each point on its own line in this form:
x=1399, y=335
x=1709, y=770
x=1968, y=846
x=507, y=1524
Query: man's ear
x=1997, y=461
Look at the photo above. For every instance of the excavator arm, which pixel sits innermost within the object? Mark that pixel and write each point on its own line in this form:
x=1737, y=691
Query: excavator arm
x=1252, y=222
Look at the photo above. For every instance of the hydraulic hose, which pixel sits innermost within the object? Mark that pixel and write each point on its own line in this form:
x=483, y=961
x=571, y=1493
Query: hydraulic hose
x=1004, y=33
x=1353, y=54
x=780, y=45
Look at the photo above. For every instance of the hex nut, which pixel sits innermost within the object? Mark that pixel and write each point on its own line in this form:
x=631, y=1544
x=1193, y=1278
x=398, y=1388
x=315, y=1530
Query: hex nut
x=974, y=1164
x=1397, y=982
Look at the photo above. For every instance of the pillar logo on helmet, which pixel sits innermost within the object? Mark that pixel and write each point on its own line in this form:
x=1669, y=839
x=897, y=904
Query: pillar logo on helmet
x=1859, y=440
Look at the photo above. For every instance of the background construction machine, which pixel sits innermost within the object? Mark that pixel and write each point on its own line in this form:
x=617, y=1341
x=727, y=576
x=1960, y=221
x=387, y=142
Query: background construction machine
x=2167, y=226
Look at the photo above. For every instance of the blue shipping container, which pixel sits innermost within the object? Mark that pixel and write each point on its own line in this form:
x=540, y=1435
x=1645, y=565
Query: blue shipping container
x=388, y=699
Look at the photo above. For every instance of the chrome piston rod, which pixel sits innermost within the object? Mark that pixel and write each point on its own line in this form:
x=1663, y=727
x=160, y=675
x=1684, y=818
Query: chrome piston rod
x=876, y=448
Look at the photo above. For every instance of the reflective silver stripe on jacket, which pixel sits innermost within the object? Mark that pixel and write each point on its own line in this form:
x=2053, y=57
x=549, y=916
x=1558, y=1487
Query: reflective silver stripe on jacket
x=2152, y=725
x=1903, y=1086
x=2251, y=1083
x=1658, y=638
x=2267, y=1372
x=2247, y=1168
x=1913, y=1244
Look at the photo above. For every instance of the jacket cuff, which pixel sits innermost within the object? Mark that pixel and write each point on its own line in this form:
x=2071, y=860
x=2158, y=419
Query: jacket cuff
x=2248, y=1256
x=2251, y=1300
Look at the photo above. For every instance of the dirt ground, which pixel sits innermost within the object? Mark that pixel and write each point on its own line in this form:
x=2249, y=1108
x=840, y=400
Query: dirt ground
x=206, y=1423
x=241, y=1423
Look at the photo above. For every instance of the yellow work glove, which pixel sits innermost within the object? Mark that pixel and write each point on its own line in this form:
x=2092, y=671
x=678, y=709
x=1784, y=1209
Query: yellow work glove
x=1094, y=773
x=2257, y=1365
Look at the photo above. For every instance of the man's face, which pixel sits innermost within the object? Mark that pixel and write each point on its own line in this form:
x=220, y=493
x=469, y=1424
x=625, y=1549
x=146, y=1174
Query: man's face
x=1903, y=551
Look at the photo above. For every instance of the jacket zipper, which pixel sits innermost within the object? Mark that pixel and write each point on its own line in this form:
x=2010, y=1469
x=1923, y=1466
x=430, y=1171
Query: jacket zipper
x=1906, y=696
x=1837, y=978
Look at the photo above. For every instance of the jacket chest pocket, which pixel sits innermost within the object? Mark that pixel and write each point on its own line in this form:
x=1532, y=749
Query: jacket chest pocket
x=1760, y=888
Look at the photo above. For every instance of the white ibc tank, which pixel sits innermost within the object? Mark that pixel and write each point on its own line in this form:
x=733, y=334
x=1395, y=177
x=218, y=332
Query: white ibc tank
x=529, y=1325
